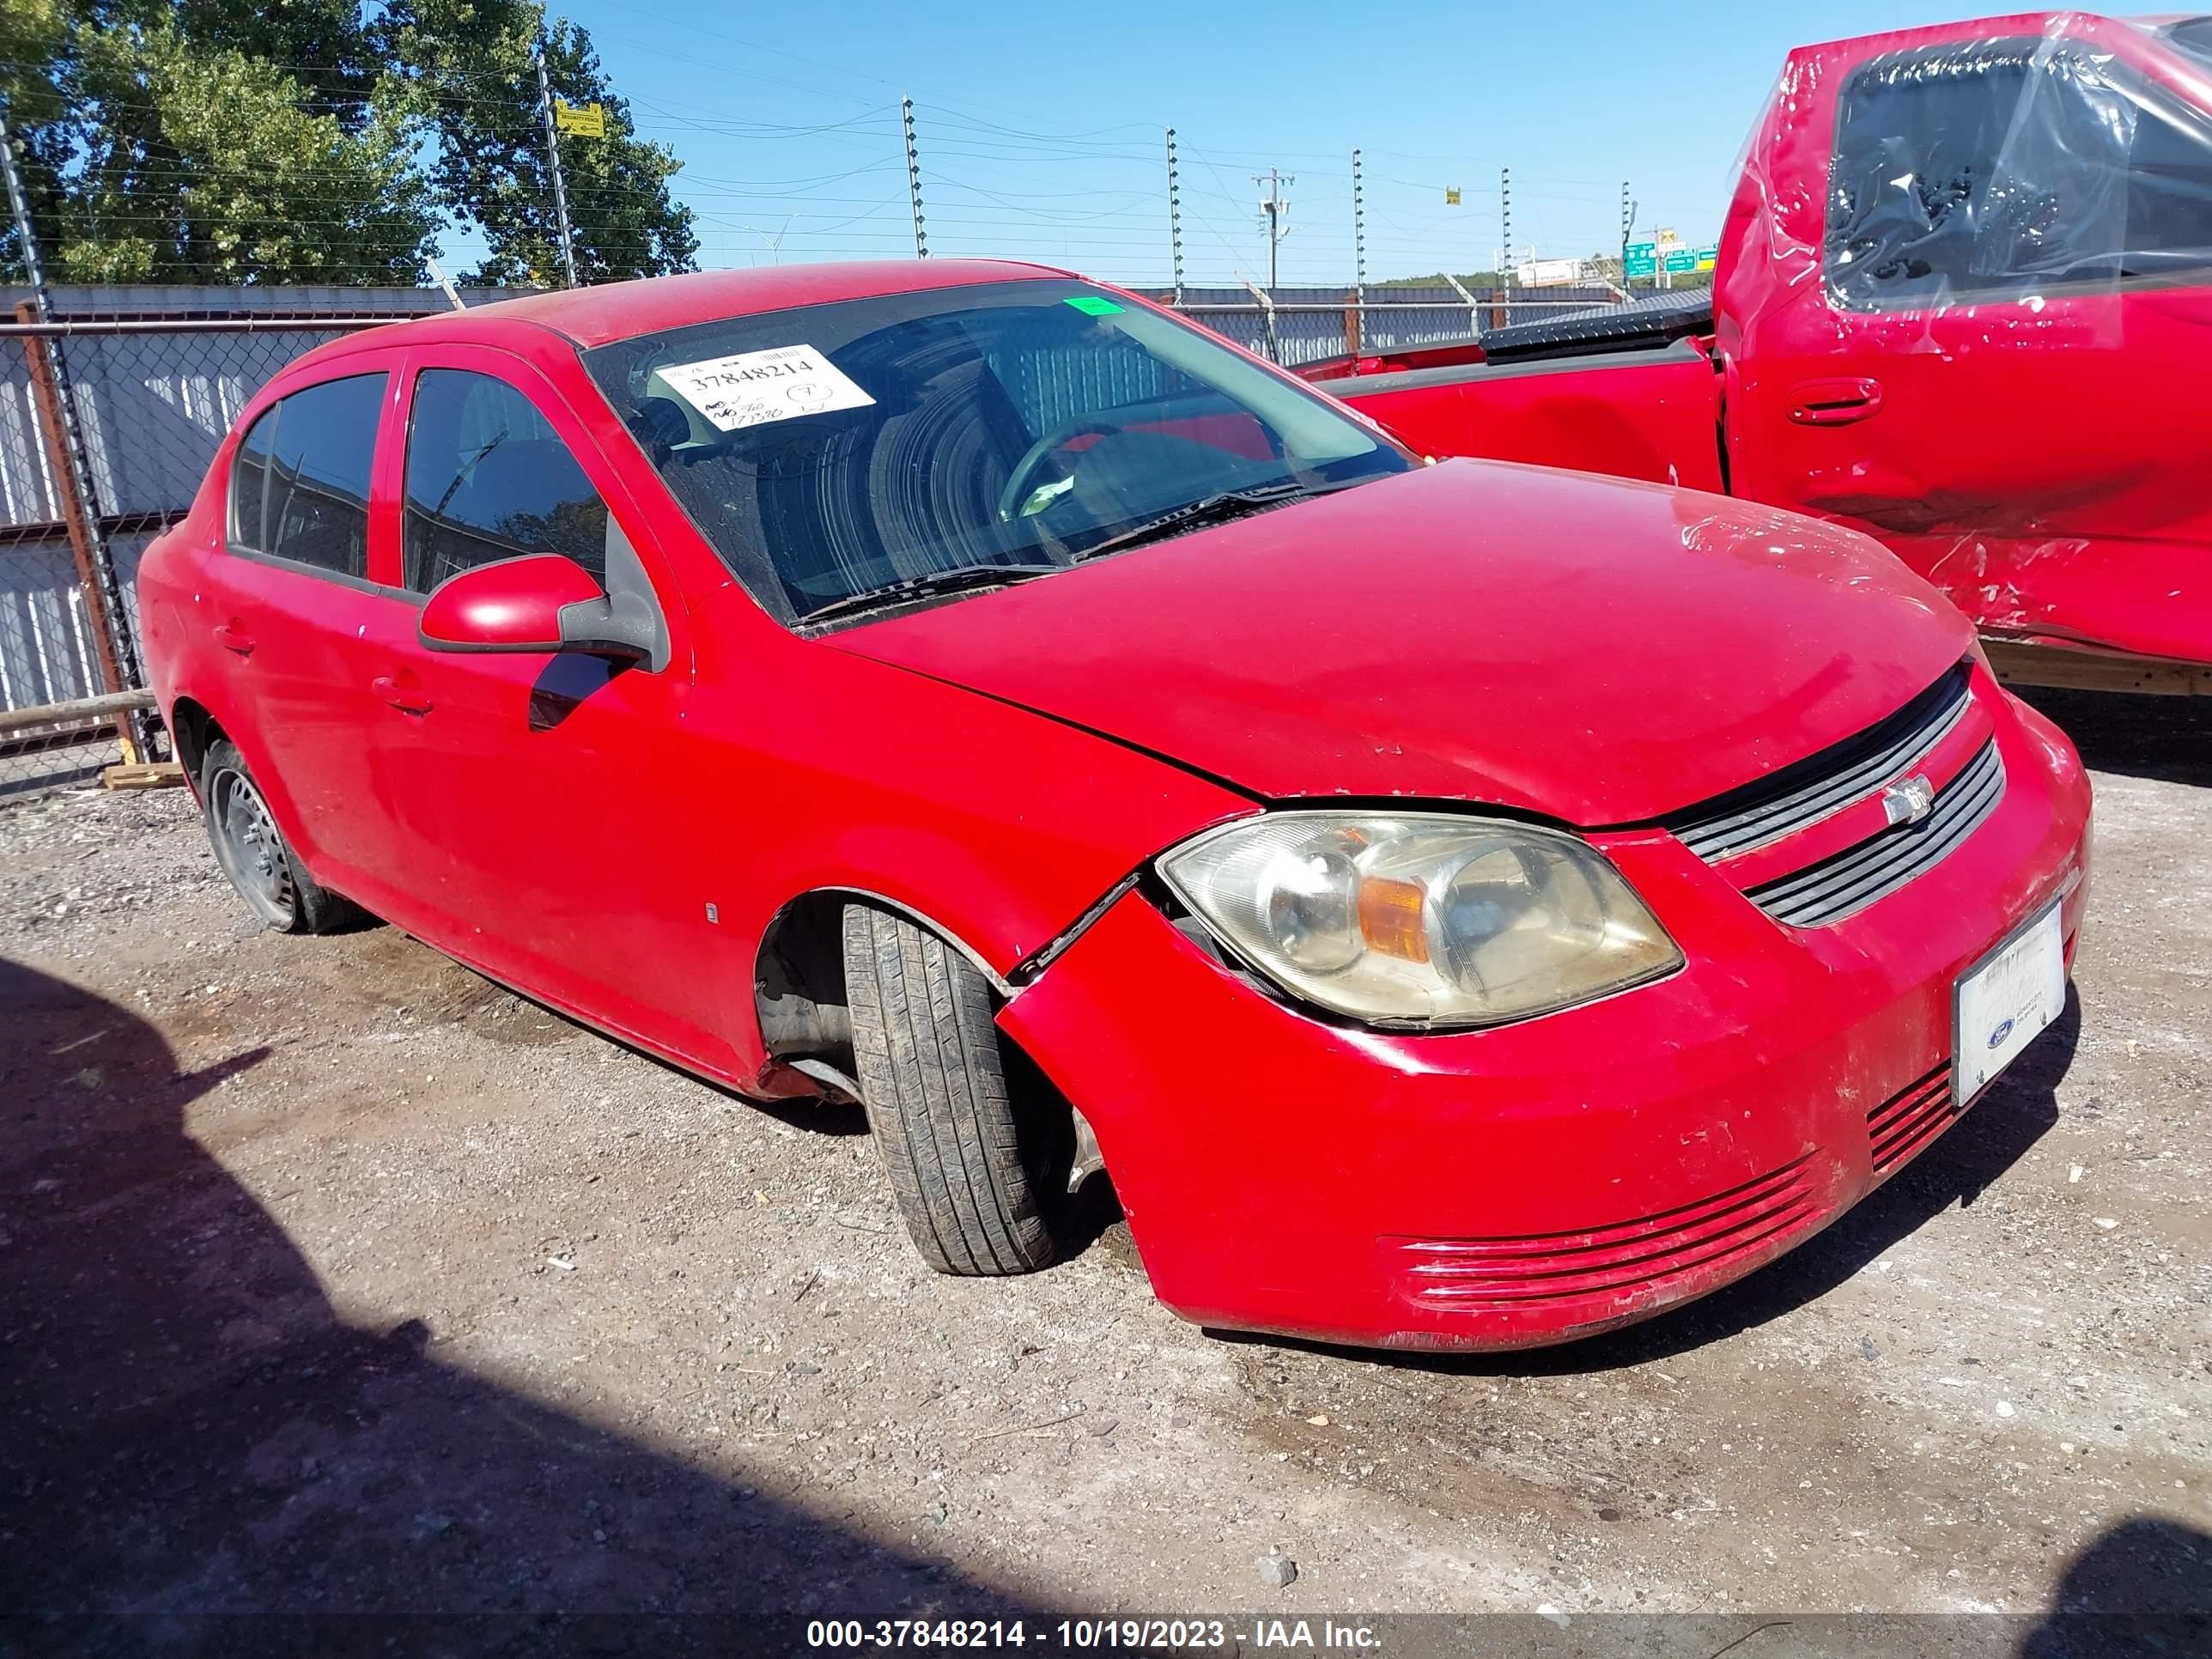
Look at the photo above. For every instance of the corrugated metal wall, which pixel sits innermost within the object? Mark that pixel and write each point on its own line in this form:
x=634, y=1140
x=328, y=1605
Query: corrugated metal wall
x=152, y=409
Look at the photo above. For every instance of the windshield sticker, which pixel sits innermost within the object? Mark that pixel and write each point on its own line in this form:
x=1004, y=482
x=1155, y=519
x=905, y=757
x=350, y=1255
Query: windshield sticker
x=752, y=388
x=1093, y=304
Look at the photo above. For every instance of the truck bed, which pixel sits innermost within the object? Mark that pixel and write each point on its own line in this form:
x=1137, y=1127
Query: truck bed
x=1650, y=412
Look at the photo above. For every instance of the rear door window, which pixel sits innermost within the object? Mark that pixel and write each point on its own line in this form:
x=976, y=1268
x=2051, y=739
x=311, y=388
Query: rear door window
x=487, y=478
x=300, y=479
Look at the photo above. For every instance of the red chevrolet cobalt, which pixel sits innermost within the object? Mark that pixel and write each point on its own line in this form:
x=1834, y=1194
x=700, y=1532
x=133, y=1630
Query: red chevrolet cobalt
x=1461, y=905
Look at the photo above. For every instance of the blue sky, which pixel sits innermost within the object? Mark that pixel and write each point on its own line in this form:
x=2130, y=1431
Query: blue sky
x=1040, y=125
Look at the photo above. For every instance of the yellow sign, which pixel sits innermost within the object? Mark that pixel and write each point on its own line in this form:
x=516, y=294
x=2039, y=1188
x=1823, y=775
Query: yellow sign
x=585, y=120
x=1451, y=197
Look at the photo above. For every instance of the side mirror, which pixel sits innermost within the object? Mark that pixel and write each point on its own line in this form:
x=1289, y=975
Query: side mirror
x=540, y=603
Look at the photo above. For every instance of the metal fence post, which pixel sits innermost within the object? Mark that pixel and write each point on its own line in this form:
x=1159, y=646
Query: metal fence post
x=1473, y=304
x=1505, y=224
x=553, y=162
x=913, y=178
x=1174, y=219
x=1357, y=332
x=72, y=470
x=1267, y=307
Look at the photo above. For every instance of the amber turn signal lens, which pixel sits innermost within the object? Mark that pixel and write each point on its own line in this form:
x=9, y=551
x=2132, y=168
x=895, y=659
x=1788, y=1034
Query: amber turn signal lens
x=1391, y=918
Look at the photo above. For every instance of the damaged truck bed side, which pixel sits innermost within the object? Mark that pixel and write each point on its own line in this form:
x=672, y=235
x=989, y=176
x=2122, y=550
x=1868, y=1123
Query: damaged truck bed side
x=1963, y=302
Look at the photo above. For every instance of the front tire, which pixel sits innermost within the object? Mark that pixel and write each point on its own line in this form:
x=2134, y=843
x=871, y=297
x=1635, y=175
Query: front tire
x=254, y=853
x=970, y=1163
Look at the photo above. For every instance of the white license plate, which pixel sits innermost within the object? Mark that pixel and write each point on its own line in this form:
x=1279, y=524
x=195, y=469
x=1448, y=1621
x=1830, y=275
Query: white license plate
x=2003, y=1001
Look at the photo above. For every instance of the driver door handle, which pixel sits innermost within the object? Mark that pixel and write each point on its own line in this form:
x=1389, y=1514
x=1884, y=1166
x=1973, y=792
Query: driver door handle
x=1837, y=402
x=408, y=699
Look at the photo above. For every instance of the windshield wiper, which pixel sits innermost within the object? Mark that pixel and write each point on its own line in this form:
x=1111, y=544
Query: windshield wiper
x=956, y=579
x=1212, y=509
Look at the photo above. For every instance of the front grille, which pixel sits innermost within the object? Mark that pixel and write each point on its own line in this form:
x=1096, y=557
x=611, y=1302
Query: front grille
x=1910, y=1119
x=1847, y=882
x=1631, y=1262
x=1808, y=791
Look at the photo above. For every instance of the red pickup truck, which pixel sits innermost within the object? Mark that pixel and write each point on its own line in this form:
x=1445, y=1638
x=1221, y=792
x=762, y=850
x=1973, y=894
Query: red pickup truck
x=1963, y=302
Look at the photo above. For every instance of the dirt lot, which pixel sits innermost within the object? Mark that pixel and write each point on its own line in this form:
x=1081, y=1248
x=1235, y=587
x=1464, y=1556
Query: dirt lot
x=333, y=1278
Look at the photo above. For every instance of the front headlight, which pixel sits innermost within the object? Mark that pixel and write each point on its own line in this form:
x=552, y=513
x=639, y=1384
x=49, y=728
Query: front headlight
x=1420, y=918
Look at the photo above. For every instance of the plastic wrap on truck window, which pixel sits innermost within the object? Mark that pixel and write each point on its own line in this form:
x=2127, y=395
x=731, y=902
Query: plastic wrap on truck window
x=2071, y=155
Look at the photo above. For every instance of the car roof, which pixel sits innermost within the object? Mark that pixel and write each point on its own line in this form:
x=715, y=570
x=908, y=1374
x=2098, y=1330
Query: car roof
x=617, y=311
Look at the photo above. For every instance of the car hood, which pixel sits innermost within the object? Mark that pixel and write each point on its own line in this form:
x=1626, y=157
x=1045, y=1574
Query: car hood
x=1596, y=651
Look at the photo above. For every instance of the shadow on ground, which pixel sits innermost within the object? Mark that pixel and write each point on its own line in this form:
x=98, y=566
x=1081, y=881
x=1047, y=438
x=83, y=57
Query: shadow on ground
x=197, y=1454
x=2167, y=739
x=2018, y=1110
x=2141, y=1589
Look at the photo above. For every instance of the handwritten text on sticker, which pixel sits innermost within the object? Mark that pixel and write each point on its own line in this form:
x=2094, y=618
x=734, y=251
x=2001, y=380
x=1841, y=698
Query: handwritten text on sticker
x=750, y=388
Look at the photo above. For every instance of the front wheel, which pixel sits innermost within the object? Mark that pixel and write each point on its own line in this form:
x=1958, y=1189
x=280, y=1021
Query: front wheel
x=253, y=853
x=971, y=1157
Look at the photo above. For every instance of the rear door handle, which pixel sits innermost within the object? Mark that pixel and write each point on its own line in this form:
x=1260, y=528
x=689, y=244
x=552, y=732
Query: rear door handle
x=231, y=637
x=407, y=698
x=1837, y=402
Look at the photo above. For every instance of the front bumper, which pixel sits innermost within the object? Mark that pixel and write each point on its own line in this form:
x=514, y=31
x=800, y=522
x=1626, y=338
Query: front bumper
x=1545, y=1180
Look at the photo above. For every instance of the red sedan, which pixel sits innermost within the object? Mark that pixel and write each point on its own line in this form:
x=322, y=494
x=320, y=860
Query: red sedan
x=1469, y=905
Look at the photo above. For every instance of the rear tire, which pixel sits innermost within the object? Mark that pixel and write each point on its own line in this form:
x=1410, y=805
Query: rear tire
x=254, y=853
x=970, y=1159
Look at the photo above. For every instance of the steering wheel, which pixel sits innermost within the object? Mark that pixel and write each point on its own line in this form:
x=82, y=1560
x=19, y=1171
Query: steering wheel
x=1017, y=482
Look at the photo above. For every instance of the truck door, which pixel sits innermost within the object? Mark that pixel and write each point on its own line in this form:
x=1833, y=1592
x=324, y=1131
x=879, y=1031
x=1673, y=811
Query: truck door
x=1965, y=304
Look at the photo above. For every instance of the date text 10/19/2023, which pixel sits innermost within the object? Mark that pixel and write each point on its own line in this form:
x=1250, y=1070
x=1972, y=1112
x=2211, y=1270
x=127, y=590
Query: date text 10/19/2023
x=1289, y=1635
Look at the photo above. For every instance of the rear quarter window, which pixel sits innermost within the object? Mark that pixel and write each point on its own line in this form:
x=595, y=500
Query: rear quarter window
x=299, y=478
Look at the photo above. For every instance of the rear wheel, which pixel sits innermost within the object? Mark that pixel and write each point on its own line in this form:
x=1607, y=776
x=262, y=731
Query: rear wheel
x=970, y=1136
x=253, y=853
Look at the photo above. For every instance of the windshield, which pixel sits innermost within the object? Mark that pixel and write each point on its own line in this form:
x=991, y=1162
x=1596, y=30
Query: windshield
x=872, y=445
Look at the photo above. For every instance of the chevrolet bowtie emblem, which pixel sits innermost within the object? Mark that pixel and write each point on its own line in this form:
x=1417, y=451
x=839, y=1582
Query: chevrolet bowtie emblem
x=1909, y=801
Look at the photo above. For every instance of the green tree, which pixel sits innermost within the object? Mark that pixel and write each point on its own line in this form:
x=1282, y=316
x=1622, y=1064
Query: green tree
x=34, y=38
x=199, y=163
x=472, y=66
x=296, y=142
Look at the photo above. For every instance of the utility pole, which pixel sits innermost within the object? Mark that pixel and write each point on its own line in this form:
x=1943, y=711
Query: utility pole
x=553, y=163
x=1358, y=239
x=914, y=180
x=1277, y=210
x=1175, y=219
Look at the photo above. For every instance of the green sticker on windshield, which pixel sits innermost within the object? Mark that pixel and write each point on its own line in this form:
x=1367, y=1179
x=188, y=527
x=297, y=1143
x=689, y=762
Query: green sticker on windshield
x=1093, y=304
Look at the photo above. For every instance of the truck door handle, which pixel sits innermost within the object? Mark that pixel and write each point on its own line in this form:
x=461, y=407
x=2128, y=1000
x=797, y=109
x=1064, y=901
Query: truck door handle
x=407, y=698
x=231, y=637
x=1836, y=402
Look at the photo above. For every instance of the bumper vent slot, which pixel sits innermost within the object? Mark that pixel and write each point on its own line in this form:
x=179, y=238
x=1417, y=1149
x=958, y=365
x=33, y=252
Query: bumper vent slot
x=1849, y=881
x=1637, y=1260
x=1910, y=1118
x=1808, y=791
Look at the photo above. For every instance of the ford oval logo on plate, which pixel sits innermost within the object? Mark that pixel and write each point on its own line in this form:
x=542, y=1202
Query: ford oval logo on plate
x=1998, y=1035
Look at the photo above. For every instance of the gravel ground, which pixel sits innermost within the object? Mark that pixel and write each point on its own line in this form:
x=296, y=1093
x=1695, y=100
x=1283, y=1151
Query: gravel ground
x=334, y=1278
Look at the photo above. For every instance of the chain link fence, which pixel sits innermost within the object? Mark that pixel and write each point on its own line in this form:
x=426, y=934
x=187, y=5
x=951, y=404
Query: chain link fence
x=111, y=411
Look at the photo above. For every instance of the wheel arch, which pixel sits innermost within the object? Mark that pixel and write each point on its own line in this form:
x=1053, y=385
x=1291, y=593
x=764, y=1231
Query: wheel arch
x=193, y=727
x=801, y=950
